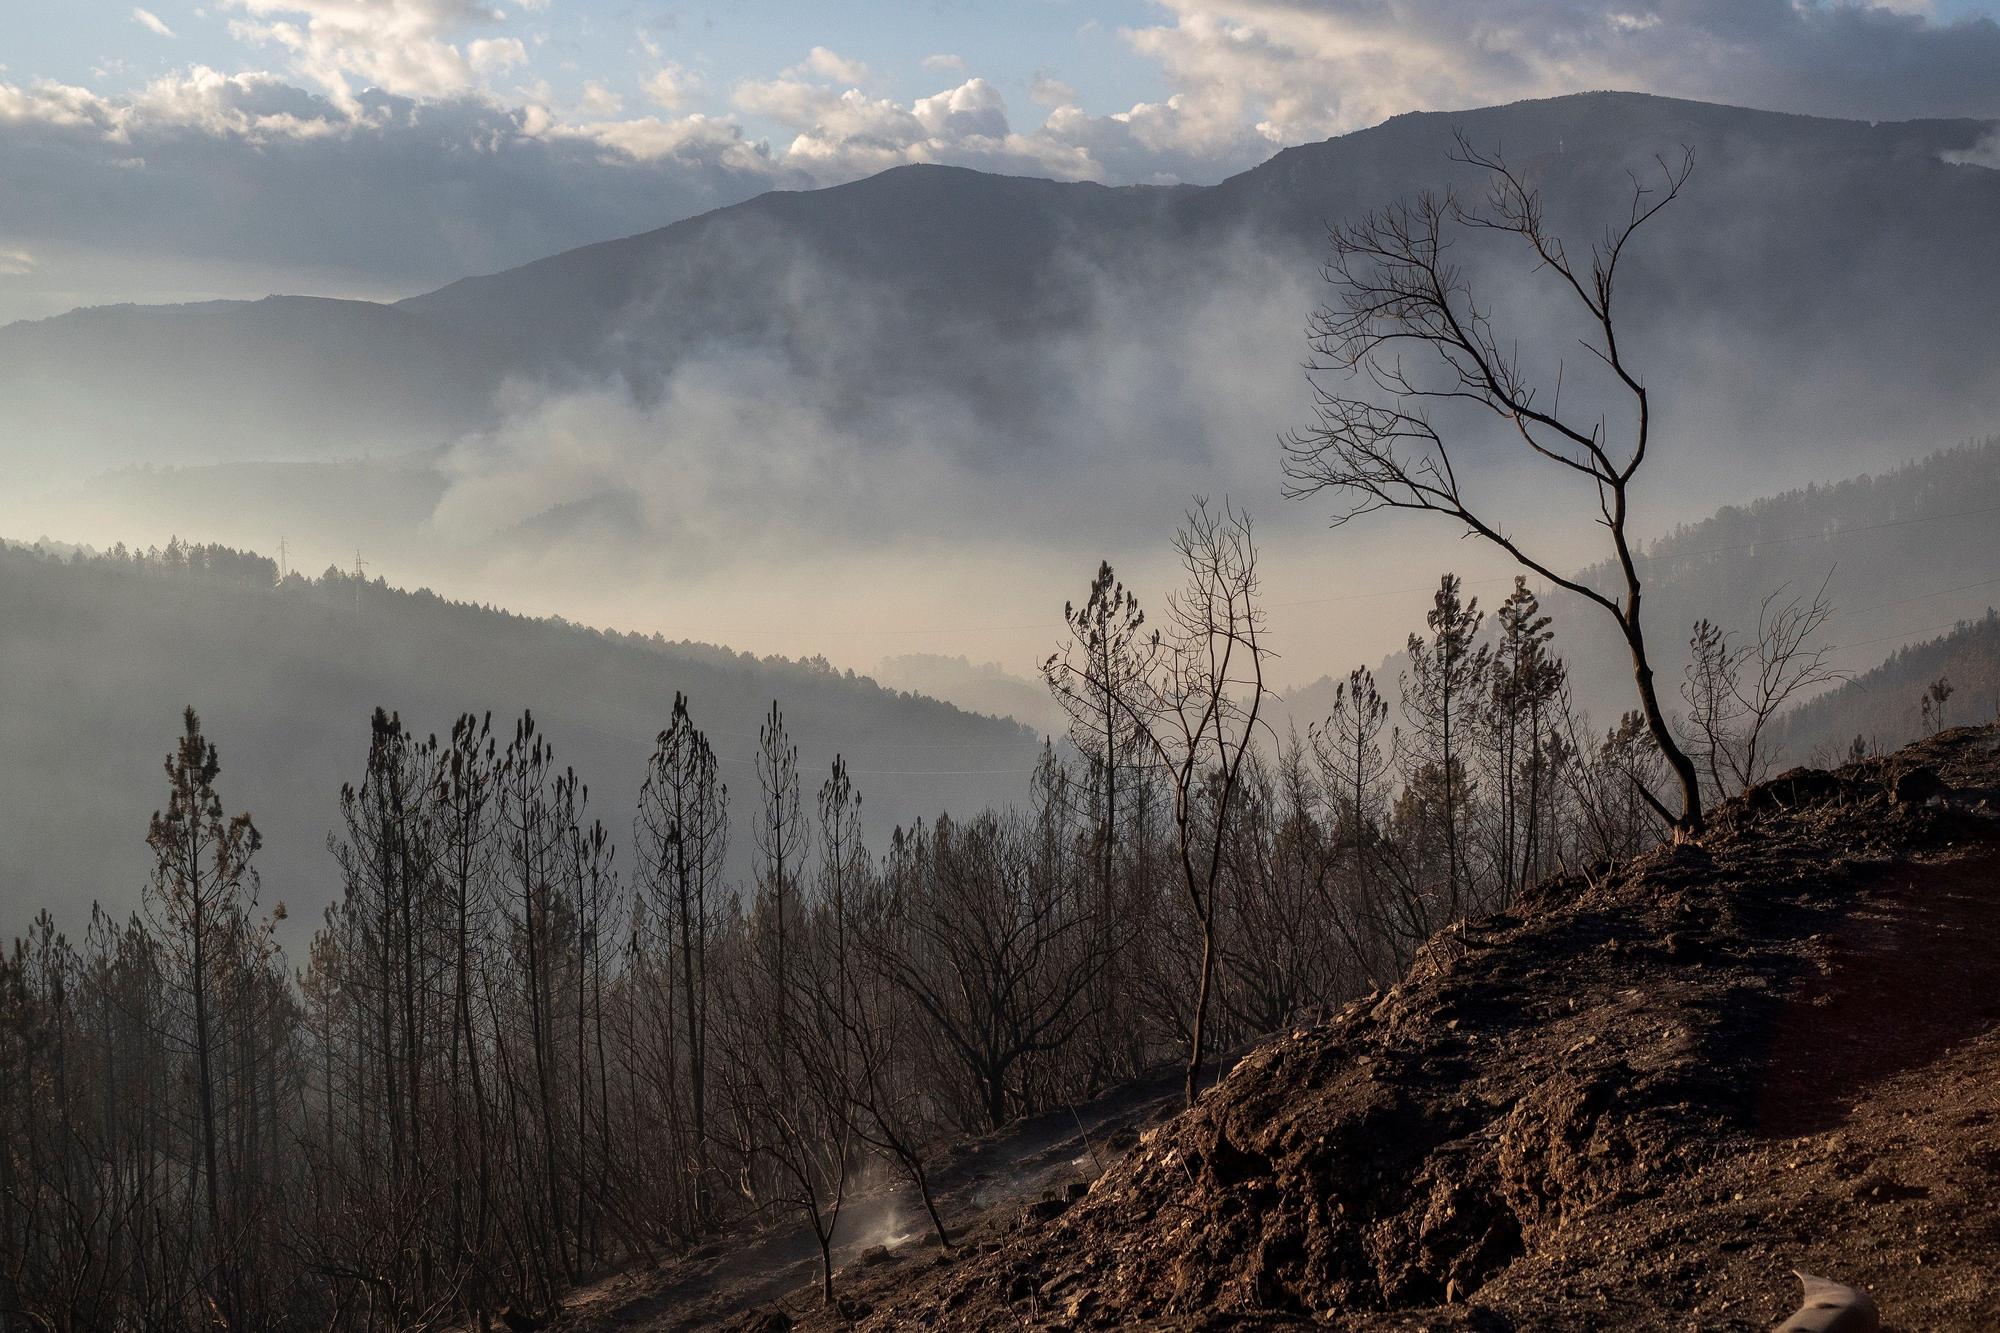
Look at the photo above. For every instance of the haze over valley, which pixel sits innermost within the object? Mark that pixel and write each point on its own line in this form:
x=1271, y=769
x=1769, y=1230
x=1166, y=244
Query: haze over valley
x=933, y=381
x=1071, y=665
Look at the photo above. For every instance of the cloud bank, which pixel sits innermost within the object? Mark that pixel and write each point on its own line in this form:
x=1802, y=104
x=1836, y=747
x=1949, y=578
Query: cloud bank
x=391, y=145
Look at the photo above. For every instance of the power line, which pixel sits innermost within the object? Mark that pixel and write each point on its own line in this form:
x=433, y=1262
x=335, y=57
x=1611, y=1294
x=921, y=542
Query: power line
x=905, y=772
x=1673, y=555
x=1374, y=593
x=1915, y=597
x=1906, y=634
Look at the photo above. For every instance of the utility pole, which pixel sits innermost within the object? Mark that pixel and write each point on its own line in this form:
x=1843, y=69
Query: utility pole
x=284, y=552
x=360, y=581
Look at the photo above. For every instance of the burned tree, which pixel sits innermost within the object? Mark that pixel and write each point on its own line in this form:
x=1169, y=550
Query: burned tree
x=682, y=832
x=201, y=892
x=1194, y=709
x=1405, y=334
x=1441, y=696
x=1108, y=634
x=1734, y=689
x=1356, y=763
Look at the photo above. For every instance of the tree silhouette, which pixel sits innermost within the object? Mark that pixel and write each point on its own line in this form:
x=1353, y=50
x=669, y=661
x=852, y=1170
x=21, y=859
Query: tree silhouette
x=1399, y=290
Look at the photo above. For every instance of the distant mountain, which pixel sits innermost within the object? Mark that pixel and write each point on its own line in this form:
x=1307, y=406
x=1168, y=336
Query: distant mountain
x=982, y=687
x=1808, y=252
x=287, y=376
x=1901, y=555
x=285, y=677
x=1883, y=708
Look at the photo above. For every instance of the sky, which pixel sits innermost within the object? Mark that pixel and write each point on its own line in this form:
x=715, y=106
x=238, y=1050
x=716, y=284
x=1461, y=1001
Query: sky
x=191, y=149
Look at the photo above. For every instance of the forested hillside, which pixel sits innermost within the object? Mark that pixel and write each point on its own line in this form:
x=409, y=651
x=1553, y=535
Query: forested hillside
x=1901, y=555
x=544, y=1027
x=100, y=657
x=1951, y=680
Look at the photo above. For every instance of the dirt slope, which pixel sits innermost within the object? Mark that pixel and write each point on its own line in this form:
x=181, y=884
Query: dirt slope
x=760, y=1274
x=1637, y=1102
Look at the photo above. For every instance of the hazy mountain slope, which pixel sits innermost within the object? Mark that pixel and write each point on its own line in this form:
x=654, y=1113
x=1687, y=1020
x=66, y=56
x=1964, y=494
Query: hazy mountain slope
x=1902, y=554
x=1803, y=194
x=1794, y=223
x=1883, y=706
x=1636, y=1102
x=98, y=663
x=923, y=244
x=981, y=687
x=1807, y=258
x=287, y=375
x=954, y=281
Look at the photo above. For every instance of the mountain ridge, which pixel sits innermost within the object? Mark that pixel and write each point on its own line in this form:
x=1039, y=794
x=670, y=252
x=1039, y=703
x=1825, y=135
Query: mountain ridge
x=909, y=276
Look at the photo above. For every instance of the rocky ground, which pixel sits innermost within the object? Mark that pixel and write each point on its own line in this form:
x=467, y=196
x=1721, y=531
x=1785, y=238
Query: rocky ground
x=1638, y=1101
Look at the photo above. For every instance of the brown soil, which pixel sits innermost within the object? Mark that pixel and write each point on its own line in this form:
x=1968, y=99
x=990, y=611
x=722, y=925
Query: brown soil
x=1636, y=1102
x=767, y=1276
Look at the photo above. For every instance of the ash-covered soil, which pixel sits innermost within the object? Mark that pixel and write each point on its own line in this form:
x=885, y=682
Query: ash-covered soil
x=765, y=1277
x=1639, y=1100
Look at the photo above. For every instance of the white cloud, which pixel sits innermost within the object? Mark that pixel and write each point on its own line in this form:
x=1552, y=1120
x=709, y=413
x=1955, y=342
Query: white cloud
x=833, y=66
x=151, y=22
x=15, y=263
x=237, y=180
x=599, y=101
x=398, y=46
x=841, y=134
x=944, y=60
x=696, y=138
x=1045, y=90
x=48, y=103
x=491, y=55
x=670, y=85
x=1249, y=75
x=974, y=109
x=1633, y=22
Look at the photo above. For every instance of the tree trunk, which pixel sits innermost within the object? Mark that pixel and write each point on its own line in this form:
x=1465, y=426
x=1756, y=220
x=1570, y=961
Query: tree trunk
x=1690, y=825
x=1198, y=1037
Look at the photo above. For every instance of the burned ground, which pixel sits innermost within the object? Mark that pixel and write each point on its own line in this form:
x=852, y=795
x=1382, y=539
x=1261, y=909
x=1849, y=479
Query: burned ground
x=1640, y=1099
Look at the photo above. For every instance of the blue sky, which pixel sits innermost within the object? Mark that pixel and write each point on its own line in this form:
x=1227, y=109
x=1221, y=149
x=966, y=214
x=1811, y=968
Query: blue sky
x=188, y=149
x=619, y=44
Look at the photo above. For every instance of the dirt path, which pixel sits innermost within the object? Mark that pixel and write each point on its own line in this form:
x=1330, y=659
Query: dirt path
x=981, y=1186
x=1638, y=1102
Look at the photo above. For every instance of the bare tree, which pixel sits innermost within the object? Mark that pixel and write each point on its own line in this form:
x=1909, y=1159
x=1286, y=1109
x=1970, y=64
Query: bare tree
x=682, y=831
x=1195, y=709
x=1526, y=682
x=781, y=835
x=1734, y=690
x=1355, y=764
x=996, y=954
x=202, y=890
x=1441, y=697
x=1108, y=633
x=465, y=792
x=1399, y=291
